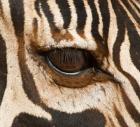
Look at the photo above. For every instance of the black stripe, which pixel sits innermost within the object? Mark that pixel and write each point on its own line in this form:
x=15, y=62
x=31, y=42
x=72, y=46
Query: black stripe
x=116, y=50
x=133, y=82
x=134, y=38
x=134, y=45
x=48, y=14
x=65, y=11
x=134, y=50
x=138, y=9
x=130, y=107
x=120, y=118
x=37, y=7
x=17, y=15
x=102, y=49
x=81, y=14
x=130, y=9
x=87, y=118
x=28, y=82
x=26, y=120
x=3, y=68
x=122, y=22
x=1, y=9
x=95, y=21
x=105, y=18
x=0, y=5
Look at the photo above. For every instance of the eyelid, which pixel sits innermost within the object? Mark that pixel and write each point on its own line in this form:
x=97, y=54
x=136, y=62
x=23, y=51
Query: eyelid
x=40, y=50
x=47, y=46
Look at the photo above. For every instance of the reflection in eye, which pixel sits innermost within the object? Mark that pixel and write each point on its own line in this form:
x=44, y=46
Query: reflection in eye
x=70, y=60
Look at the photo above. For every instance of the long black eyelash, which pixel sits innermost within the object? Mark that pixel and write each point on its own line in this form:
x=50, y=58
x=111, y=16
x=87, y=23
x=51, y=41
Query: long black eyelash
x=67, y=56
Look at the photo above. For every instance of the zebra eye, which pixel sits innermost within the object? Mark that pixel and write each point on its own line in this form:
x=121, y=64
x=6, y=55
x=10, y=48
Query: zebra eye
x=70, y=60
x=73, y=68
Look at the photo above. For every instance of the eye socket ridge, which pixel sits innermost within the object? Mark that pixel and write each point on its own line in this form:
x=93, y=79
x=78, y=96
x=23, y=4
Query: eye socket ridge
x=70, y=60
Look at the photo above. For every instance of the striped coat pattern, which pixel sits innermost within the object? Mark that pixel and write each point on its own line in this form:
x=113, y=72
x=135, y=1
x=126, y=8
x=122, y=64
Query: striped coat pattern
x=69, y=63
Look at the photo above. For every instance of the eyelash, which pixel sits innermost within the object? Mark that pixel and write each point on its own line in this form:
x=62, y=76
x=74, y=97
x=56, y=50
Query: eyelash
x=71, y=57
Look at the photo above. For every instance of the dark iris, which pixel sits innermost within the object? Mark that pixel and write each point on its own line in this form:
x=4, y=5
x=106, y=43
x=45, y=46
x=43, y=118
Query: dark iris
x=70, y=59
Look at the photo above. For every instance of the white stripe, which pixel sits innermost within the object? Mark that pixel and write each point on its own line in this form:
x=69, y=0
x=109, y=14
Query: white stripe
x=113, y=29
x=91, y=43
x=134, y=8
x=100, y=17
x=128, y=66
x=131, y=18
x=73, y=23
x=58, y=19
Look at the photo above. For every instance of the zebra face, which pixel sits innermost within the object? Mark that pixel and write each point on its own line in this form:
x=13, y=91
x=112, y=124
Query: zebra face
x=70, y=63
x=50, y=44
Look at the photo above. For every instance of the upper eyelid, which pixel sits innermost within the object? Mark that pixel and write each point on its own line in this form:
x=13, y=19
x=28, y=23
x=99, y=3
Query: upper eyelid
x=45, y=43
x=46, y=48
x=63, y=44
x=84, y=44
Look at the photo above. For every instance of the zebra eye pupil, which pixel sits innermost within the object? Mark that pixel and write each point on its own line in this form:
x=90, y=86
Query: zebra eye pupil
x=70, y=60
